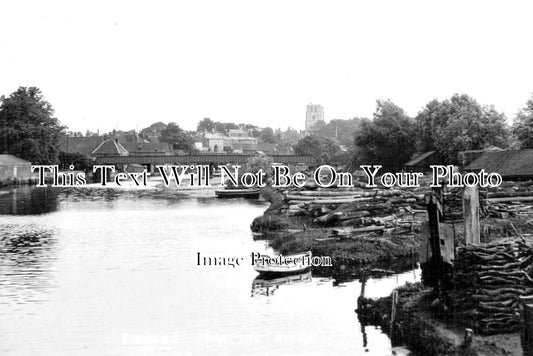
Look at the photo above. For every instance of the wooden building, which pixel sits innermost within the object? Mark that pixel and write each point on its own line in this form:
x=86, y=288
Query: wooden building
x=510, y=164
x=14, y=168
x=421, y=162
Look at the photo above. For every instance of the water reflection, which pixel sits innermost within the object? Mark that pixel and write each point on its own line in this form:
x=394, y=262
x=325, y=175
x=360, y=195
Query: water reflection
x=26, y=255
x=108, y=264
x=26, y=200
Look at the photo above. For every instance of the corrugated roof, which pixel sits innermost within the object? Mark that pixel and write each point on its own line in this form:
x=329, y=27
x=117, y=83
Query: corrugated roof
x=419, y=158
x=110, y=147
x=10, y=160
x=508, y=163
x=150, y=147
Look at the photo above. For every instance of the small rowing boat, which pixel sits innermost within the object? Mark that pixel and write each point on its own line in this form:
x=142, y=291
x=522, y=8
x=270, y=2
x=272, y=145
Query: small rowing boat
x=280, y=264
x=263, y=285
x=238, y=193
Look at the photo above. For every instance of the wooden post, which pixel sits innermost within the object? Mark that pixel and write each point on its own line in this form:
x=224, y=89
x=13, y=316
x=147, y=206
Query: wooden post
x=527, y=333
x=471, y=215
x=393, y=310
x=527, y=325
x=435, y=215
x=361, y=297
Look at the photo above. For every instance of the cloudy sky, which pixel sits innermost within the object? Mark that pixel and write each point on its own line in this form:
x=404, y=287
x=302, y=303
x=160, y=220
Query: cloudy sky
x=127, y=64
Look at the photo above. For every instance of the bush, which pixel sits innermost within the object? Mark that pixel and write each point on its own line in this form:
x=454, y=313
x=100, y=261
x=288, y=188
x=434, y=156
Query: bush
x=269, y=223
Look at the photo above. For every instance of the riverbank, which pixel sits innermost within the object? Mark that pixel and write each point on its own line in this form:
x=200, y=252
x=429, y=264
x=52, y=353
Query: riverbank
x=421, y=324
x=347, y=246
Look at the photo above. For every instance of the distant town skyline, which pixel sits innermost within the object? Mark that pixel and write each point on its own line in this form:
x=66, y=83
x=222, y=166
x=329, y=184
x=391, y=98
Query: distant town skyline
x=127, y=64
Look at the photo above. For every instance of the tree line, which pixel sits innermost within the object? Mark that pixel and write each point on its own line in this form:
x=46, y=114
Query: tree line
x=30, y=130
x=448, y=127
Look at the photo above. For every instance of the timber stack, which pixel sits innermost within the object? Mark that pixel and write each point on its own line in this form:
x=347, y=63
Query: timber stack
x=511, y=199
x=353, y=206
x=489, y=280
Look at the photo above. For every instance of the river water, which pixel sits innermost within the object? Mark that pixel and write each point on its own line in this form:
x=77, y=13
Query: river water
x=103, y=272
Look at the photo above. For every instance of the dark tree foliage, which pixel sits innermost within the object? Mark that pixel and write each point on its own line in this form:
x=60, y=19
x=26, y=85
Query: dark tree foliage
x=267, y=135
x=523, y=125
x=79, y=161
x=460, y=124
x=387, y=140
x=154, y=129
x=342, y=131
x=323, y=149
x=224, y=127
x=28, y=128
x=206, y=125
x=178, y=138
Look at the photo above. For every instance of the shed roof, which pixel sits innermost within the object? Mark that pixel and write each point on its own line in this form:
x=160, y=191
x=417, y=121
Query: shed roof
x=149, y=147
x=508, y=163
x=419, y=158
x=82, y=145
x=10, y=160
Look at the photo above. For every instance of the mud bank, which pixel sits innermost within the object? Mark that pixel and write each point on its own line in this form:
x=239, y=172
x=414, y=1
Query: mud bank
x=426, y=329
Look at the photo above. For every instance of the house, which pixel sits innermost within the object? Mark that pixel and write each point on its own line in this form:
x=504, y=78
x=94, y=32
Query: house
x=420, y=162
x=217, y=142
x=199, y=146
x=14, y=168
x=510, y=164
x=237, y=133
x=241, y=137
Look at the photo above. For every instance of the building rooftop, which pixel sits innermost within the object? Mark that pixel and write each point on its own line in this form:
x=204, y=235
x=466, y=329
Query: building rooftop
x=110, y=147
x=508, y=163
x=419, y=158
x=215, y=136
x=82, y=145
x=9, y=160
x=150, y=147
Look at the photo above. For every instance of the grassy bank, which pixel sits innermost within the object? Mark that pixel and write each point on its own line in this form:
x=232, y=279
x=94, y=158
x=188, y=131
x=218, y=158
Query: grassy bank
x=291, y=234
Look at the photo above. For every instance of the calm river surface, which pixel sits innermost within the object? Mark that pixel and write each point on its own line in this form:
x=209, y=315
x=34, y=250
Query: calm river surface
x=99, y=272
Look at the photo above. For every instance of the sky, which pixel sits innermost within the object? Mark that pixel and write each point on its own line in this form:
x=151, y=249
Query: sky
x=127, y=64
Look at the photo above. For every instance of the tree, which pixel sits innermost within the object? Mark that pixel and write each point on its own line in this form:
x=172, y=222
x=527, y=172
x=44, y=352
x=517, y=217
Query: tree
x=154, y=129
x=523, y=125
x=28, y=128
x=323, y=149
x=178, y=138
x=259, y=162
x=206, y=125
x=224, y=127
x=388, y=139
x=342, y=131
x=460, y=124
x=79, y=161
x=267, y=135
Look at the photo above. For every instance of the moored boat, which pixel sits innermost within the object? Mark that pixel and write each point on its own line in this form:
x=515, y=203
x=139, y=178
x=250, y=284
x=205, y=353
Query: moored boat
x=247, y=193
x=263, y=285
x=280, y=264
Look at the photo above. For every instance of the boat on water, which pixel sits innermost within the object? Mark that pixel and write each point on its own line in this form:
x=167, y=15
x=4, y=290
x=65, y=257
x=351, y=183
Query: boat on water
x=247, y=193
x=262, y=285
x=280, y=264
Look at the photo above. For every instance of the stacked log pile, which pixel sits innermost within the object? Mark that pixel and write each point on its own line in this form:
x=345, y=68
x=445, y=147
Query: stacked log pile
x=510, y=199
x=354, y=206
x=453, y=204
x=488, y=281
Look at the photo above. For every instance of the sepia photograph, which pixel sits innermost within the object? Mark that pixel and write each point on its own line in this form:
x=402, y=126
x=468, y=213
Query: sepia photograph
x=266, y=178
